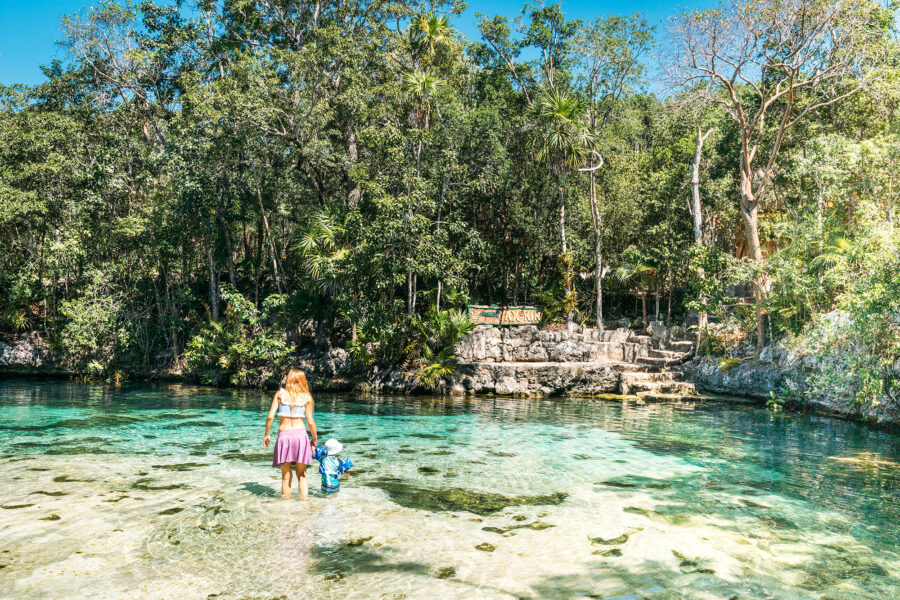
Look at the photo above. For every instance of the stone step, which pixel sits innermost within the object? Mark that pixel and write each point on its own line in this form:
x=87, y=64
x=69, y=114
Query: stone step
x=682, y=388
x=647, y=376
x=644, y=340
x=635, y=368
x=660, y=362
x=664, y=397
x=682, y=346
x=654, y=353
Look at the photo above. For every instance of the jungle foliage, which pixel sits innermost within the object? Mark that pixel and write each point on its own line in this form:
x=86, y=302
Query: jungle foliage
x=206, y=188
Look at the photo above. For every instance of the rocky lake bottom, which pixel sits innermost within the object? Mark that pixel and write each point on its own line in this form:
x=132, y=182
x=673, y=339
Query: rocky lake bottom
x=163, y=491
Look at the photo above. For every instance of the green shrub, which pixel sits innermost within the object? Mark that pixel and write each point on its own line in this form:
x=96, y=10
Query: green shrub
x=95, y=330
x=432, y=348
x=859, y=344
x=728, y=364
x=247, y=347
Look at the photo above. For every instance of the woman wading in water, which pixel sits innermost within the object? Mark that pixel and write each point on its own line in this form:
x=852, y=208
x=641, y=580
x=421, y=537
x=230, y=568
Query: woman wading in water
x=292, y=404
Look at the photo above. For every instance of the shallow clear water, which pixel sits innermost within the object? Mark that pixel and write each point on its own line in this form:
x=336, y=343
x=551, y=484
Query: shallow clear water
x=164, y=491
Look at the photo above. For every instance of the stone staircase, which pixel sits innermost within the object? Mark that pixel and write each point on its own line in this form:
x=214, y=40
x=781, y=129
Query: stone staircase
x=659, y=376
x=527, y=361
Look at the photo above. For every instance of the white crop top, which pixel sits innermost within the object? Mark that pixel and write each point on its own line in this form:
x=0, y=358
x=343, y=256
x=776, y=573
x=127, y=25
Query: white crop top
x=295, y=411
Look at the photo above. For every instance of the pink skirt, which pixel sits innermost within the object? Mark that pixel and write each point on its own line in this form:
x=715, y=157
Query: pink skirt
x=292, y=446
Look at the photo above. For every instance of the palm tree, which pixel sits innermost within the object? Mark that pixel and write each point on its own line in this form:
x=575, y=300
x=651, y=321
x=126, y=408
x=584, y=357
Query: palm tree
x=422, y=88
x=563, y=141
x=322, y=248
x=430, y=32
x=640, y=273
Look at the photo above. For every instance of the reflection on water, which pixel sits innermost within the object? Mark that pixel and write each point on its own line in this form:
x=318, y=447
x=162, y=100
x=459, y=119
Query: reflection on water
x=162, y=491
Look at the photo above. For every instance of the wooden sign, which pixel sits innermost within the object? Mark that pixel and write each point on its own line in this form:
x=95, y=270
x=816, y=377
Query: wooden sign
x=505, y=315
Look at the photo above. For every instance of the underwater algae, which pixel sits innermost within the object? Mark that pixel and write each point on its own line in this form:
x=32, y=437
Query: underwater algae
x=458, y=499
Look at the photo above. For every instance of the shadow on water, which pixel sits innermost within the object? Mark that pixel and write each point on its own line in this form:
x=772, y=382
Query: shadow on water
x=654, y=580
x=257, y=489
x=338, y=560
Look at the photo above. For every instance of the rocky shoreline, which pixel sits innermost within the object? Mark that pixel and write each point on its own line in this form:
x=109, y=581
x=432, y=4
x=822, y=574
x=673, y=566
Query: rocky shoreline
x=527, y=362
x=779, y=371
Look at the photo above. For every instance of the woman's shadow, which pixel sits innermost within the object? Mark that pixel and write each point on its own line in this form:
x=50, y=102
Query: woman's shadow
x=258, y=489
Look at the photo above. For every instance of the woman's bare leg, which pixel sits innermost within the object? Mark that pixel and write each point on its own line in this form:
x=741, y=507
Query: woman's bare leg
x=303, y=481
x=286, y=479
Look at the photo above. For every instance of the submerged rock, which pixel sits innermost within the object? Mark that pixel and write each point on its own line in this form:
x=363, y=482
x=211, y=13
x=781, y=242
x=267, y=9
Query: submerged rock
x=172, y=416
x=53, y=517
x=636, y=482
x=195, y=424
x=188, y=466
x=171, y=511
x=691, y=565
x=612, y=552
x=426, y=470
x=256, y=457
x=14, y=506
x=145, y=485
x=776, y=522
x=68, y=479
x=110, y=420
x=537, y=526
x=445, y=572
x=616, y=541
x=457, y=499
x=485, y=547
x=672, y=515
x=837, y=568
x=359, y=541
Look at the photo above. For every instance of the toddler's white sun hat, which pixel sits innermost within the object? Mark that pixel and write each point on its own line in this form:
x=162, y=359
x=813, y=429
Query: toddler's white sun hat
x=333, y=446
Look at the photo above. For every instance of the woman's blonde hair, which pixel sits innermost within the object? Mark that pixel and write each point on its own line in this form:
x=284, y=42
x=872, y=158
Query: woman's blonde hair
x=296, y=384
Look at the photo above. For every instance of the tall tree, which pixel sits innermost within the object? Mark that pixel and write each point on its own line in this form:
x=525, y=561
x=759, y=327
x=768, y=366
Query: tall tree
x=770, y=64
x=563, y=141
x=611, y=50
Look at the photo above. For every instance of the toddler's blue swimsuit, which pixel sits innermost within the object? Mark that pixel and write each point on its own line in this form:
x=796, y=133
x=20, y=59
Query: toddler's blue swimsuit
x=331, y=467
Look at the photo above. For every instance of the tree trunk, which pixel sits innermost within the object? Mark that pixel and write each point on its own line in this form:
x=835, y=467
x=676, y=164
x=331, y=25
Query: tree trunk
x=598, y=282
x=695, y=186
x=324, y=326
x=669, y=308
x=750, y=215
x=562, y=217
x=410, y=307
x=698, y=215
x=440, y=288
x=230, y=251
x=598, y=255
x=656, y=315
x=562, y=236
x=262, y=213
x=213, y=286
x=355, y=194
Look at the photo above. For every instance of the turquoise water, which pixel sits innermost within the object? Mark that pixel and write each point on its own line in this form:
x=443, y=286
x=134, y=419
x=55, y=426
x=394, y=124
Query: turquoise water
x=164, y=491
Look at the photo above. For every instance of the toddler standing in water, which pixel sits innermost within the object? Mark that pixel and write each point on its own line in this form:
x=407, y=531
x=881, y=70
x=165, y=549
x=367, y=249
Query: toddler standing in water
x=330, y=466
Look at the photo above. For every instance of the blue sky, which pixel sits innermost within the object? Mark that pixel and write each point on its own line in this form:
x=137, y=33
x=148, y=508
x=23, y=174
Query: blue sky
x=29, y=30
